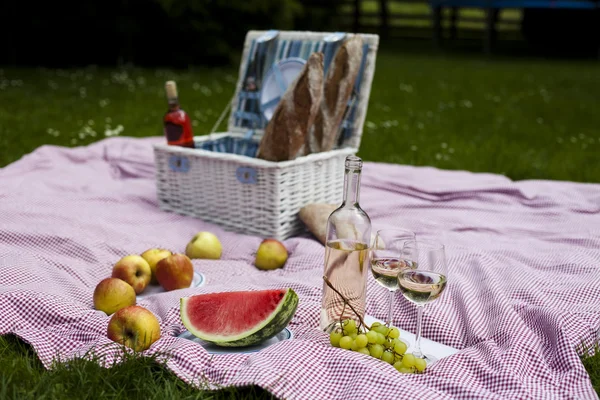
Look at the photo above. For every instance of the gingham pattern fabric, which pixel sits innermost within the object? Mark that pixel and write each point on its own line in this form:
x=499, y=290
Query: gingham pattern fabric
x=523, y=286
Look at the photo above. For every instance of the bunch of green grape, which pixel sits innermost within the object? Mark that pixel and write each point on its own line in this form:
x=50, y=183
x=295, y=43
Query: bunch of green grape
x=379, y=341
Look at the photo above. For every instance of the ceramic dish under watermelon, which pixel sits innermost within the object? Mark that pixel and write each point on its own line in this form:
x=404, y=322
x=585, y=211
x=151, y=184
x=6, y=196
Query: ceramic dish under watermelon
x=285, y=334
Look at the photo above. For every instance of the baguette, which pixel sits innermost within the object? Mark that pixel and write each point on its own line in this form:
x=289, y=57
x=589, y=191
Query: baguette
x=286, y=133
x=339, y=84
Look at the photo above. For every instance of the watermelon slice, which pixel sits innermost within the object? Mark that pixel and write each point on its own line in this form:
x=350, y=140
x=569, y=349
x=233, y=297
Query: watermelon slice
x=236, y=319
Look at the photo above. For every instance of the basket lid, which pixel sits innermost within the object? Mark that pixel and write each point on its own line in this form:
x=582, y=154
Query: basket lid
x=270, y=61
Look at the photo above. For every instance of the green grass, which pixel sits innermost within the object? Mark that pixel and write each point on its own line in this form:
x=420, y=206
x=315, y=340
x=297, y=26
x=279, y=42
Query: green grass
x=22, y=376
x=525, y=118
x=522, y=117
x=592, y=365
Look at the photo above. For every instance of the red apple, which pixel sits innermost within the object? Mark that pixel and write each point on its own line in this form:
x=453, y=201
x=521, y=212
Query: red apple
x=112, y=294
x=134, y=270
x=153, y=256
x=134, y=327
x=271, y=254
x=175, y=272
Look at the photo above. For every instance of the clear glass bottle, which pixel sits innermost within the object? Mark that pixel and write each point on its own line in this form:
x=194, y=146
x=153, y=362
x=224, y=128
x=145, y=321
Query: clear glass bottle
x=346, y=253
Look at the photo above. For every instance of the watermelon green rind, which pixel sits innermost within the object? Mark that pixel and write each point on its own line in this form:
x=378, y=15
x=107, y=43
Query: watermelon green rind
x=269, y=327
x=281, y=317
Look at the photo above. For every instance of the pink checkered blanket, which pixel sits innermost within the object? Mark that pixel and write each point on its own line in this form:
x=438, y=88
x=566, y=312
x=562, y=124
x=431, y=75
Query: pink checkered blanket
x=523, y=291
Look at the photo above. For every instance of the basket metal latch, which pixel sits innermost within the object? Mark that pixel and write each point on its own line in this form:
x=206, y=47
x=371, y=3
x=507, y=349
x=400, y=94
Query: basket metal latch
x=179, y=163
x=247, y=175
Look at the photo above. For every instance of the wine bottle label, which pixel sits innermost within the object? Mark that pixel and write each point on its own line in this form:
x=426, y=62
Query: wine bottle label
x=173, y=131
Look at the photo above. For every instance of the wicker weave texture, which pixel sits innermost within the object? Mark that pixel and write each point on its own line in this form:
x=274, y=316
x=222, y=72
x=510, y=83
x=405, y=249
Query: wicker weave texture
x=244, y=194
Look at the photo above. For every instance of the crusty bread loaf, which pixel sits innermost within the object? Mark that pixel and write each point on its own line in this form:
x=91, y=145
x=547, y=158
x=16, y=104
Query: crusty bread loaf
x=339, y=84
x=286, y=133
x=314, y=216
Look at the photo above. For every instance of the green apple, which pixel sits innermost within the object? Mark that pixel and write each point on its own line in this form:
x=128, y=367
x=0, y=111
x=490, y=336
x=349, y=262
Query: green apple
x=112, y=294
x=204, y=245
x=135, y=327
x=152, y=257
x=175, y=272
x=134, y=270
x=271, y=254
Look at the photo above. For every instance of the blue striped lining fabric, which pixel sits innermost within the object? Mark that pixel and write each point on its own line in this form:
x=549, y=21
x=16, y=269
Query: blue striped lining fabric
x=231, y=144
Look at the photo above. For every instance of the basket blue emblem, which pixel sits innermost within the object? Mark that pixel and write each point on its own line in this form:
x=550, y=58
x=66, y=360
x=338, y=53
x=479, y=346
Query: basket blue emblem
x=179, y=163
x=247, y=175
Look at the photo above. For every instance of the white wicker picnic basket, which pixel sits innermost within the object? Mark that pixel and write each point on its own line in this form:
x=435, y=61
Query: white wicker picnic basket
x=220, y=181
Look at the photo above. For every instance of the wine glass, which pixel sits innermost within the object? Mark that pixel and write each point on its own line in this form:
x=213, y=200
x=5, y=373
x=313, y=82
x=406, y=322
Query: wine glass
x=386, y=262
x=424, y=282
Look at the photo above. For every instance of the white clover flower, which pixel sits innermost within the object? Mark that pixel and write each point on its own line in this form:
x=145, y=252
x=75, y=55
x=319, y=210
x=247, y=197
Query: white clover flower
x=205, y=91
x=405, y=88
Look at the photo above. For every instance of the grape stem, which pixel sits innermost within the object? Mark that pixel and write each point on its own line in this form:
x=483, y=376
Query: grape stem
x=341, y=315
x=346, y=301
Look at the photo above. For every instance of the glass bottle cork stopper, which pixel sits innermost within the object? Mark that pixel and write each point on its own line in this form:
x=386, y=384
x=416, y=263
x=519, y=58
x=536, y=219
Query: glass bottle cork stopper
x=171, y=89
x=353, y=162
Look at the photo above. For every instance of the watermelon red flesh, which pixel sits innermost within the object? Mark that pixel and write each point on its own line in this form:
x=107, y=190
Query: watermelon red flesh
x=229, y=314
x=238, y=318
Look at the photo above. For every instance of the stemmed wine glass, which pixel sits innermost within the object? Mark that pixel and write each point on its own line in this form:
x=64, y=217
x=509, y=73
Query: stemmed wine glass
x=386, y=262
x=424, y=282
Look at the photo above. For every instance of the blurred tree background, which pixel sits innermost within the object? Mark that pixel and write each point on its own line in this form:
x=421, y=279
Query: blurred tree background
x=147, y=33
x=169, y=33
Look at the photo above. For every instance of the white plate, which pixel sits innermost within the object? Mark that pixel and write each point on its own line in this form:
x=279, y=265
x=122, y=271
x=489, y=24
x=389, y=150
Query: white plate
x=279, y=77
x=197, y=281
x=435, y=349
x=285, y=334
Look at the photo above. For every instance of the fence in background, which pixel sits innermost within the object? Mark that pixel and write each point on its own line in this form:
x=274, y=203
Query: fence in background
x=444, y=19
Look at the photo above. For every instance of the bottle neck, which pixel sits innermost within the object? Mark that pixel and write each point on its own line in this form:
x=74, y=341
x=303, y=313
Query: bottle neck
x=173, y=104
x=351, y=188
